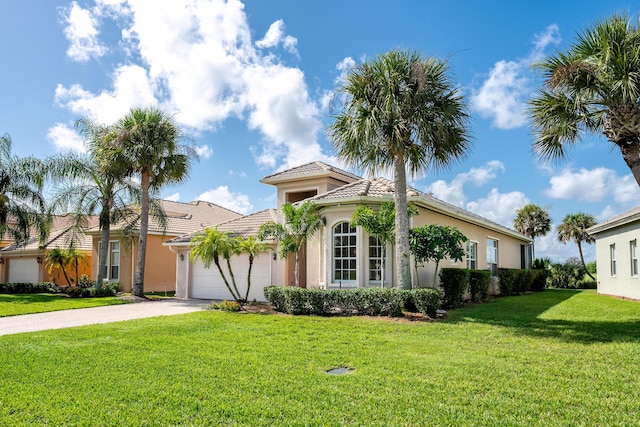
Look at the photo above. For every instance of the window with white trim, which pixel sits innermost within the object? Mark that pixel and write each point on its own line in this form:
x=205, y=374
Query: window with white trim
x=345, y=252
x=612, y=255
x=633, y=246
x=375, y=259
x=472, y=250
x=492, y=256
x=112, y=267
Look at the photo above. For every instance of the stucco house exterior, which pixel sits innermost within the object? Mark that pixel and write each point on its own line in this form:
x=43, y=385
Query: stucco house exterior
x=343, y=256
x=160, y=266
x=25, y=263
x=617, y=254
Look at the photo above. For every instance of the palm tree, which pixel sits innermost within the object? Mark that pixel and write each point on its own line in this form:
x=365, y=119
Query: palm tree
x=300, y=224
x=22, y=207
x=400, y=112
x=58, y=259
x=592, y=88
x=209, y=246
x=532, y=221
x=252, y=247
x=574, y=227
x=94, y=184
x=148, y=144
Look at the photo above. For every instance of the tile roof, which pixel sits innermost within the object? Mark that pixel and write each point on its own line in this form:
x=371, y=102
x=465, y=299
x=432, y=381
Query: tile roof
x=59, y=236
x=624, y=218
x=184, y=218
x=243, y=226
x=381, y=188
x=307, y=170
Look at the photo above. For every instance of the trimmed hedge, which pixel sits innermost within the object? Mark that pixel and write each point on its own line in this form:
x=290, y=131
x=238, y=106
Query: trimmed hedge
x=359, y=301
x=479, y=283
x=454, y=282
x=30, y=288
x=516, y=282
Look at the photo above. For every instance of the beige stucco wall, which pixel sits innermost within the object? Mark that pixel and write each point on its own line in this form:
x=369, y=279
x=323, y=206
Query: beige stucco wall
x=623, y=284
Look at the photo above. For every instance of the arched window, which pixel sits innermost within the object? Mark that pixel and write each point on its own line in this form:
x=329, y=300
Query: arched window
x=344, y=252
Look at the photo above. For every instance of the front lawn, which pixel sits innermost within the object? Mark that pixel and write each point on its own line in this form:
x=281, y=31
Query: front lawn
x=16, y=304
x=555, y=358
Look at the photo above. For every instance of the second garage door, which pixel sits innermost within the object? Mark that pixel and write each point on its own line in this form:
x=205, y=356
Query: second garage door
x=206, y=283
x=23, y=270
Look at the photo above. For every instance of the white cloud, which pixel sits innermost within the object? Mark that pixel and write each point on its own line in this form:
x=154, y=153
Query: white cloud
x=173, y=197
x=82, y=32
x=204, y=151
x=593, y=185
x=502, y=96
x=275, y=35
x=65, y=139
x=196, y=60
x=453, y=192
x=222, y=196
x=499, y=207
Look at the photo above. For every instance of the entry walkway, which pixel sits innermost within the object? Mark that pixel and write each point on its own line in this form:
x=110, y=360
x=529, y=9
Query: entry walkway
x=107, y=314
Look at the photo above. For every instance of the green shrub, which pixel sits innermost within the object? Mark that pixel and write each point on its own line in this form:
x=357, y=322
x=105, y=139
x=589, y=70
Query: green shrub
x=275, y=296
x=539, y=280
x=295, y=300
x=508, y=281
x=110, y=289
x=565, y=276
x=425, y=300
x=454, y=282
x=479, y=283
x=30, y=288
x=229, y=306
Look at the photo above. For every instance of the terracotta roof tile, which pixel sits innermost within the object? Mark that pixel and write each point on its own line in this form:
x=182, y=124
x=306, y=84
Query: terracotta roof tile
x=307, y=170
x=59, y=236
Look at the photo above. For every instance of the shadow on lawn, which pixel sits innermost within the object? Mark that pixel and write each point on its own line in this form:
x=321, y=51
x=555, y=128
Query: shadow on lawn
x=522, y=316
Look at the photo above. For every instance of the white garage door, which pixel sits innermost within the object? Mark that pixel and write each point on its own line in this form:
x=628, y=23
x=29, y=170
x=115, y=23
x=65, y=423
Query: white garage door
x=23, y=270
x=206, y=283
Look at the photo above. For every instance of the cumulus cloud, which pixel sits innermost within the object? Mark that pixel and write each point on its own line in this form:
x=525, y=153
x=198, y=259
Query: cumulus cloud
x=204, y=151
x=222, y=196
x=453, y=192
x=197, y=60
x=503, y=94
x=499, y=207
x=593, y=185
x=173, y=197
x=65, y=139
x=82, y=32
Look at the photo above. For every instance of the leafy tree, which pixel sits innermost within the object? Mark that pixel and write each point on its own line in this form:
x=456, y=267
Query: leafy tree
x=400, y=112
x=380, y=224
x=58, y=259
x=532, y=221
x=22, y=206
x=434, y=242
x=592, y=88
x=147, y=143
x=252, y=247
x=574, y=228
x=300, y=224
x=209, y=246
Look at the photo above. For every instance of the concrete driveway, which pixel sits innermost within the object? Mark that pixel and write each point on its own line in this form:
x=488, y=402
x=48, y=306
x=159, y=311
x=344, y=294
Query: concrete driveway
x=107, y=314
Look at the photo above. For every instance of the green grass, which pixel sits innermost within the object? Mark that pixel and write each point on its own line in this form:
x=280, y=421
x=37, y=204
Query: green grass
x=13, y=305
x=555, y=358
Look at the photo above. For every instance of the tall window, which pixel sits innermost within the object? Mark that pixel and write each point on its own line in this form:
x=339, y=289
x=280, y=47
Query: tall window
x=612, y=255
x=492, y=256
x=112, y=268
x=344, y=252
x=375, y=259
x=634, y=257
x=472, y=250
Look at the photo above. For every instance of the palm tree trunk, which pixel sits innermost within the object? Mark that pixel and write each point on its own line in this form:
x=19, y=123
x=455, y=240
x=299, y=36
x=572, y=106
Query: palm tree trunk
x=138, y=285
x=403, y=260
x=382, y=263
x=246, y=296
x=233, y=279
x=583, y=264
x=631, y=155
x=64, y=272
x=296, y=270
x=104, y=246
x=226, y=282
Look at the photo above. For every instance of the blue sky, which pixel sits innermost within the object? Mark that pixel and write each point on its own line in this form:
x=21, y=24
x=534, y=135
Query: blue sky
x=251, y=82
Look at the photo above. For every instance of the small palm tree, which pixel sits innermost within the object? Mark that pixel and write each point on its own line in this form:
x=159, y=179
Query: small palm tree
x=400, y=112
x=592, y=88
x=532, y=221
x=58, y=259
x=574, y=227
x=22, y=206
x=147, y=143
x=252, y=247
x=300, y=224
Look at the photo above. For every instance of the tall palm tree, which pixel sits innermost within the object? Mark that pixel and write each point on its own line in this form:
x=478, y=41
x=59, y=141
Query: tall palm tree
x=400, y=112
x=532, y=221
x=148, y=143
x=592, y=88
x=94, y=184
x=300, y=224
x=574, y=227
x=22, y=207
x=252, y=247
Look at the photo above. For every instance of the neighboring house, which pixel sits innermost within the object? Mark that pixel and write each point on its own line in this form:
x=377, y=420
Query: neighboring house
x=25, y=263
x=160, y=267
x=617, y=254
x=341, y=256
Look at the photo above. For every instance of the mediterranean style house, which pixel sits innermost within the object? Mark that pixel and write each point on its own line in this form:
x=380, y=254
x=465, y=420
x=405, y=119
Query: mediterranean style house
x=340, y=255
x=617, y=254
